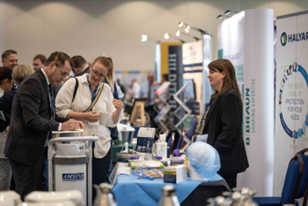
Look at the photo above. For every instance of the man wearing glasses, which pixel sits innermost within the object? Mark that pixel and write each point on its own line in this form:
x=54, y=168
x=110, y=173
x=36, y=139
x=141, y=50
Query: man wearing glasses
x=32, y=120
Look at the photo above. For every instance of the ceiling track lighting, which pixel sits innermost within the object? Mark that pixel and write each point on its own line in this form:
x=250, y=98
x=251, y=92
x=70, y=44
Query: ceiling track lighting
x=230, y=12
x=187, y=28
x=223, y=16
x=178, y=33
x=167, y=36
x=227, y=14
x=145, y=38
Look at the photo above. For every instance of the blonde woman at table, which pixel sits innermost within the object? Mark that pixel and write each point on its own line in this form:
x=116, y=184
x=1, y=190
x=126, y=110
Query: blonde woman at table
x=90, y=86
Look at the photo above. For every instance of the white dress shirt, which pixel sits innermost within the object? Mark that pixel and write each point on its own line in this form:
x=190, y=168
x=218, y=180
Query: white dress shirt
x=81, y=102
x=48, y=83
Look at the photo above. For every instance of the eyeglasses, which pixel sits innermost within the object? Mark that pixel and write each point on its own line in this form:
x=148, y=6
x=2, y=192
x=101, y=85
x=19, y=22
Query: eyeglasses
x=63, y=74
x=97, y=74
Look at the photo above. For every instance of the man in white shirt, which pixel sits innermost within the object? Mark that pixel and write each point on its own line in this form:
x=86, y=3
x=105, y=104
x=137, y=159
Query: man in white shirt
x=134, y=89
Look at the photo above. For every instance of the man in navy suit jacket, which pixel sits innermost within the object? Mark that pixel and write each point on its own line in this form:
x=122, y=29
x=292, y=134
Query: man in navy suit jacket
x=33, y=118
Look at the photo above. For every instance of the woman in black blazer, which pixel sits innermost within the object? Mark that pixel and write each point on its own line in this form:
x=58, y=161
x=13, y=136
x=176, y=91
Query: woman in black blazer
x=222, y=120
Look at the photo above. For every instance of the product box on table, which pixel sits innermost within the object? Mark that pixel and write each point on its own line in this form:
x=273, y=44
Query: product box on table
x=175, y=174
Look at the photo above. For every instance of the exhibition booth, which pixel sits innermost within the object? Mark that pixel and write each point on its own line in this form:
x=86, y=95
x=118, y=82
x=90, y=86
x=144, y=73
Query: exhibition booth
x=160, y=158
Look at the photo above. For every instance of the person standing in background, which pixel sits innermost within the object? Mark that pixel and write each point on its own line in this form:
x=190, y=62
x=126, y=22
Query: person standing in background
x=81, y=66
x=6, y=83
x=122, y=89
x=134, y=89
x=38, y=63
x=147, y=90
x=222, y=121
x=10, y=59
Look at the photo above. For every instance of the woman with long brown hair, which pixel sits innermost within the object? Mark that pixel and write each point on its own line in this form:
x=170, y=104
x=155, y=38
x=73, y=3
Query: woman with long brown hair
x=222, y=120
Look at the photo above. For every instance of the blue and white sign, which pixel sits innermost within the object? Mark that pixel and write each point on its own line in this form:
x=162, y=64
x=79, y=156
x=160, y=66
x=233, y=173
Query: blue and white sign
x=291, y=93
x=72, y=176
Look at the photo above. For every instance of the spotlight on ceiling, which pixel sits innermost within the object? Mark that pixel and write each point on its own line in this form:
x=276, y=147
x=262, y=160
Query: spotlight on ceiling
x=178, y=33
x=187, y=28
x=144, y=38
x=166, y=36
x=219, y=16
x=230, y=11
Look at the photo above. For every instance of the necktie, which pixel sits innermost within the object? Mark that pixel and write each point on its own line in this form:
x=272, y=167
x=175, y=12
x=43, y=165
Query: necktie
x=52, y=101
x=149, y=93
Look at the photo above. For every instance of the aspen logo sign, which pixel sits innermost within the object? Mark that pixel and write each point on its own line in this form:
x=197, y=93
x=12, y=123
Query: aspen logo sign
x=72, y=176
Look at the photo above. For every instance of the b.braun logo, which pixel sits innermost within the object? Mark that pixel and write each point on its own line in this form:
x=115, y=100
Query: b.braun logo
x=72, y=176
x=283, y=39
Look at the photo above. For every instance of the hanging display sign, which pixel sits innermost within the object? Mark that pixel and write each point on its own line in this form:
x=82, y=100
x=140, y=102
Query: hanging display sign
x=291, y=91
x=192, y=72
x=175, y=77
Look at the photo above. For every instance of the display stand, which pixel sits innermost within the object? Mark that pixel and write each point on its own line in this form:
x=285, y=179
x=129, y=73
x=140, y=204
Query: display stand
x=138, y=111
x=161, y=119
x=182, y=105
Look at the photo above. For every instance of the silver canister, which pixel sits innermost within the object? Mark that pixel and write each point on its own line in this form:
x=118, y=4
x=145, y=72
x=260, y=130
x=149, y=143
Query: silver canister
x=168, y=197
x=104, y=196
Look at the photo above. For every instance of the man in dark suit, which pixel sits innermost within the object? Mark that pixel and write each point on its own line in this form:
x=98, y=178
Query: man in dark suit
x=33, y=118
x=38, y=63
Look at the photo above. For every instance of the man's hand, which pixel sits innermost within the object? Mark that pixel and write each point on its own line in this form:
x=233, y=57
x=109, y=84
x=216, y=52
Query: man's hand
x=92, y=116
x=72, y=125
x=7, y=128
x=117, y=104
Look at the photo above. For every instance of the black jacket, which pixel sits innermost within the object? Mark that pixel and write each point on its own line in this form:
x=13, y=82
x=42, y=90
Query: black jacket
x=223, y=125
x=6, y=102
x=31, y=120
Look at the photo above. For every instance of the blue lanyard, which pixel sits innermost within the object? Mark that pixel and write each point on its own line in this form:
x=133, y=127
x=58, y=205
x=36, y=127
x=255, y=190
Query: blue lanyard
x=93, y=94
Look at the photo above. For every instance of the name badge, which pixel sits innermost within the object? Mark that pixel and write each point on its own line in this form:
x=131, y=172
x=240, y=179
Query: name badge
x=202, y=138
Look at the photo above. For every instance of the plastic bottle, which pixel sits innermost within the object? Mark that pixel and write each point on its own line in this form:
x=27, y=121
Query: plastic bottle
x=168, y=197
x=161, y=146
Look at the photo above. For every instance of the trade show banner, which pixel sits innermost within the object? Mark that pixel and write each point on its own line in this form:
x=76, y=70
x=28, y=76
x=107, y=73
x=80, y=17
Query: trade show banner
x=175, y=77
x=246, y=39
x=192, y=72
x=291, y=115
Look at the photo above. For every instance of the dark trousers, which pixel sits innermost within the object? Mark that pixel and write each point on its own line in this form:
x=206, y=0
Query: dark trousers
x=231, y=180
x=100, y=167
x=27, y=178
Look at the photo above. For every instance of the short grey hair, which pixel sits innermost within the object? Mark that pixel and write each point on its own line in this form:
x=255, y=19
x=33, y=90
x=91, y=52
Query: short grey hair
x=21, y=72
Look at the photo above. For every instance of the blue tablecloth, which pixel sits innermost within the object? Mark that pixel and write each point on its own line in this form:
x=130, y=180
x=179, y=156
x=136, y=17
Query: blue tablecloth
x=129, y=190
